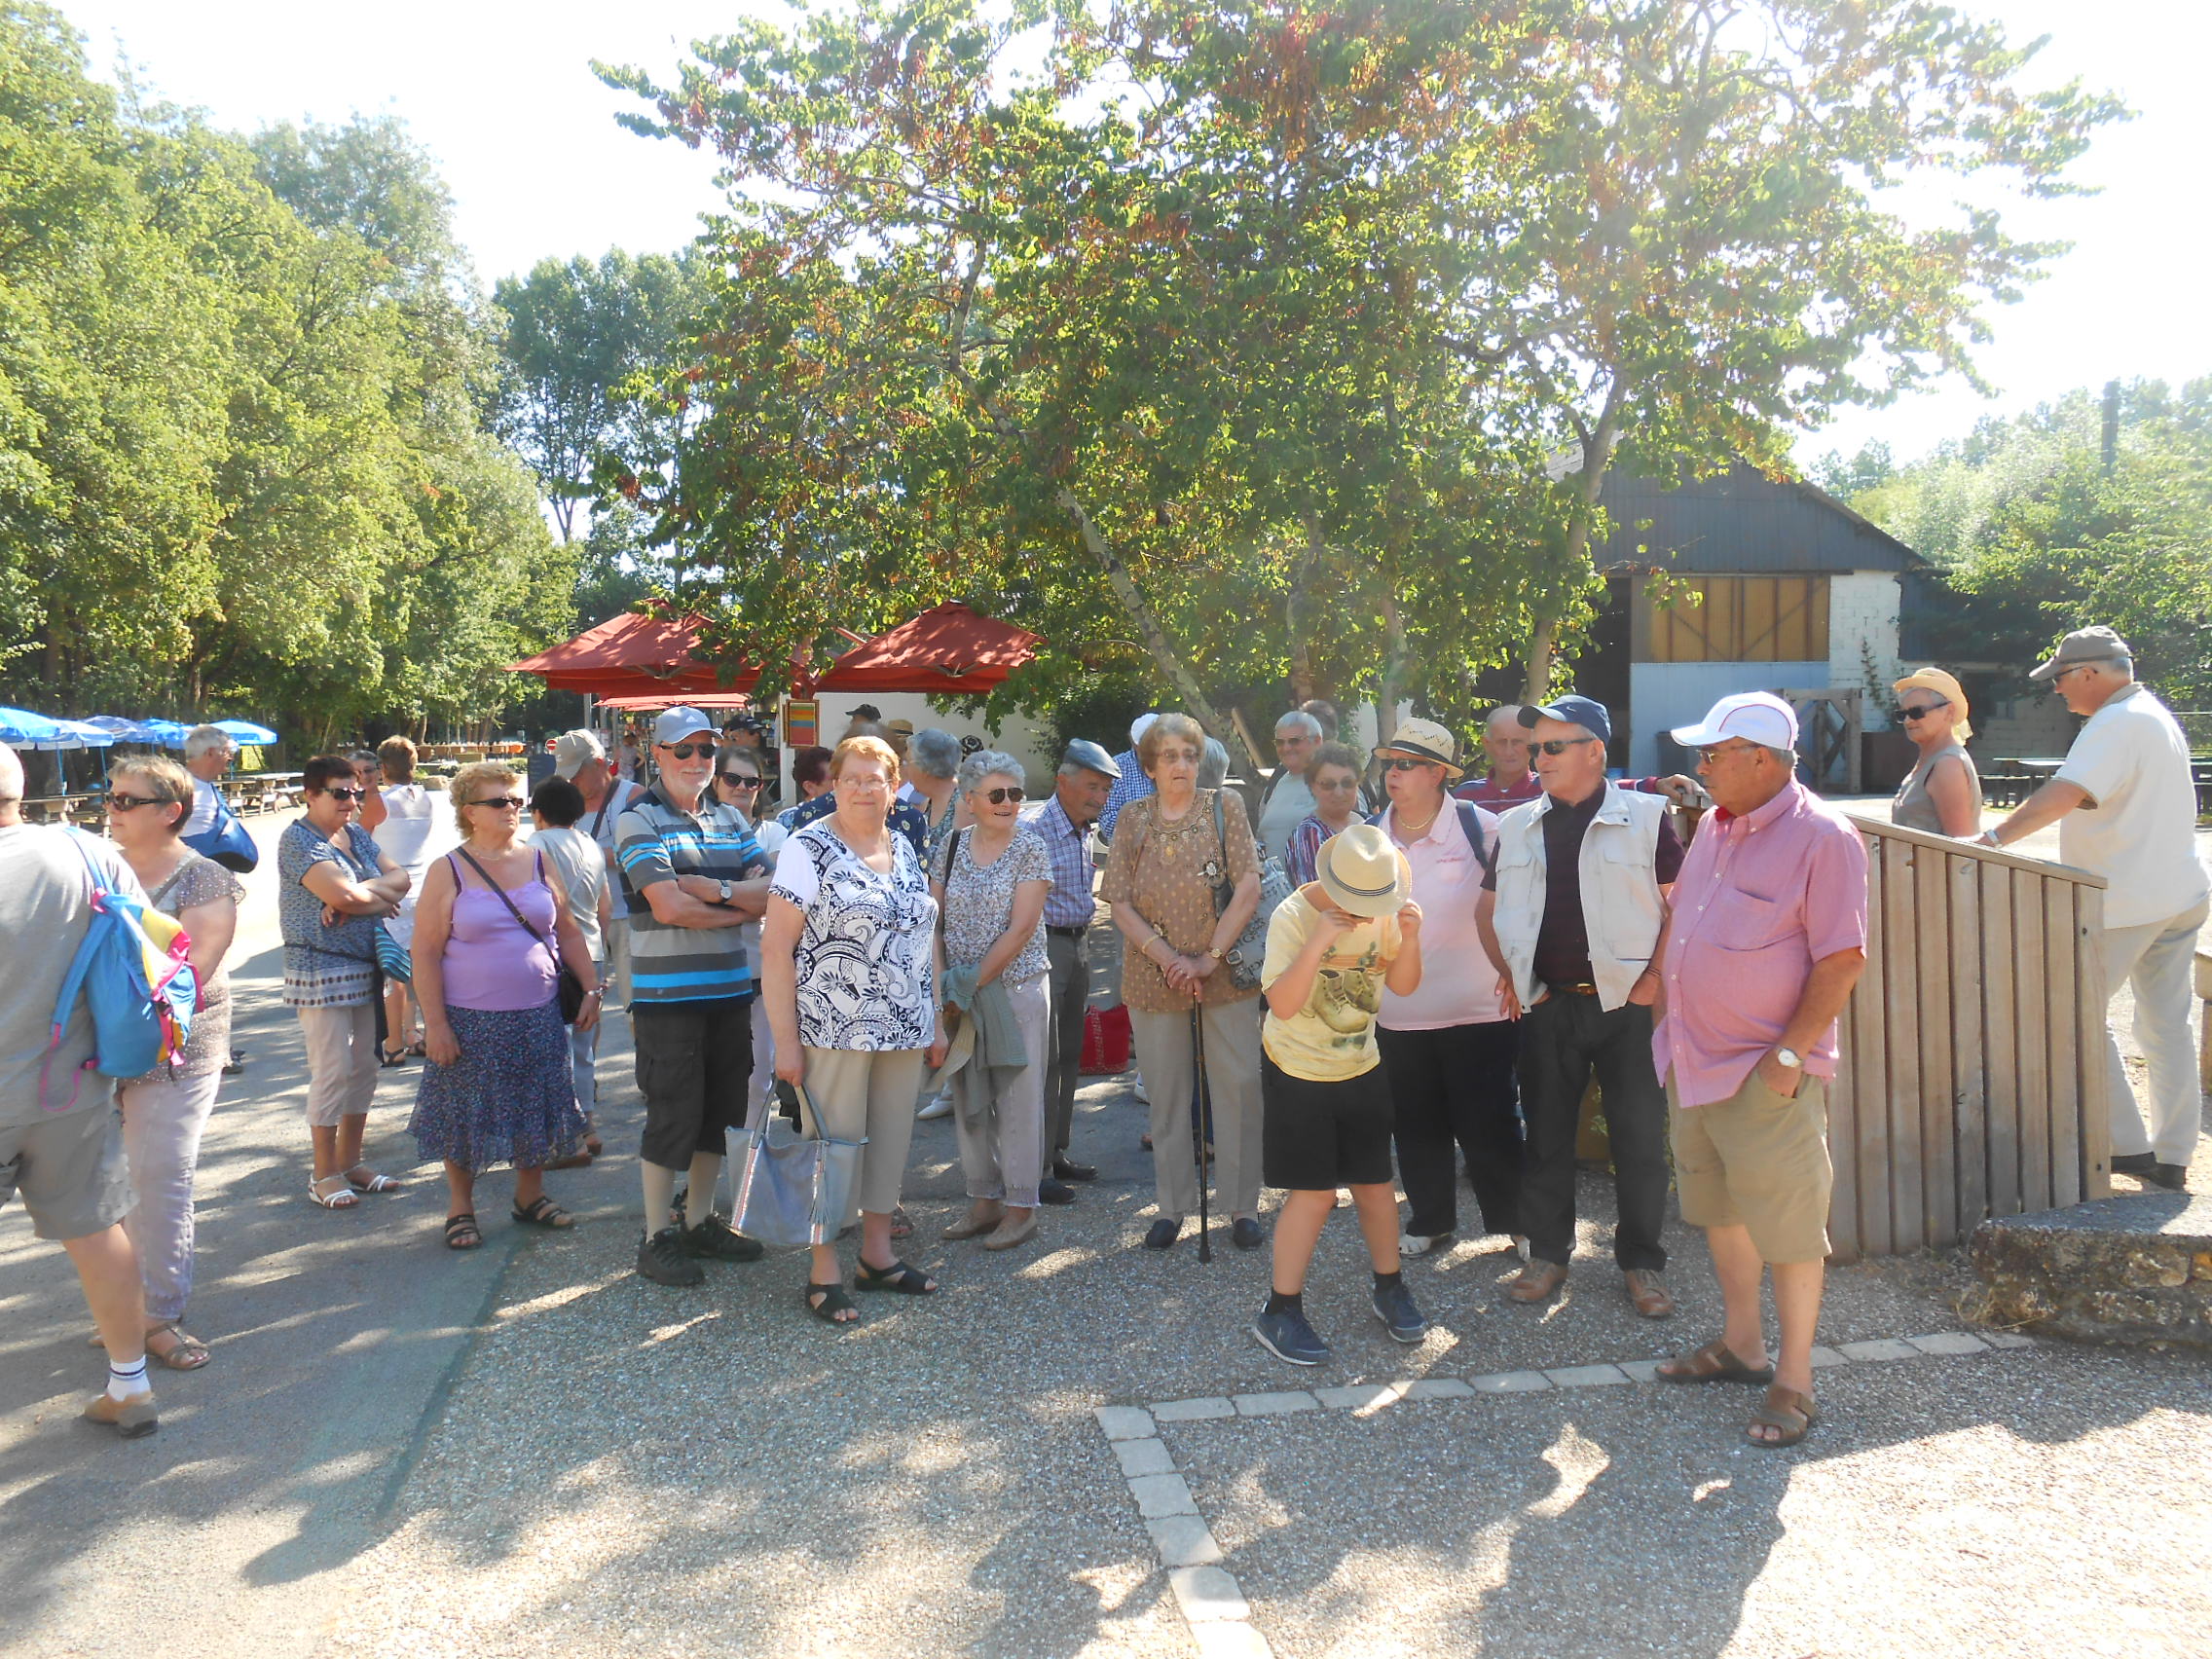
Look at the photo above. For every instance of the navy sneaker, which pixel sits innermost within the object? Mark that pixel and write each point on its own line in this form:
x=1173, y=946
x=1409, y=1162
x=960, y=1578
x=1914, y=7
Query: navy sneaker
x=1287, y=1336
x=1394, y=1306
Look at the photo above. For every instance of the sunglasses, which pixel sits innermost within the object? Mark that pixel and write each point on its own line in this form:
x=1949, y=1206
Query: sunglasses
x=131, y=803
x=737, y=781
x=685, y=750
x=1901, y=713
x=1406, y=763
x=1000, y=796
x=501, y=801
x=1560, y=745
x=338, y=793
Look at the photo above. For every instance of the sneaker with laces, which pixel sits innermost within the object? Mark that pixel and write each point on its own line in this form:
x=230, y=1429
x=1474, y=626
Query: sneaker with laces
x=711, y=1241
x=1394, y=1306
x=1288, y=1336
x=663, y=1259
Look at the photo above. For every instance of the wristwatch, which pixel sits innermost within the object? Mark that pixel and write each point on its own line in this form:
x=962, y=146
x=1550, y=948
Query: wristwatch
x=1790, y=1057
x=1216, y=952
x=726, y=890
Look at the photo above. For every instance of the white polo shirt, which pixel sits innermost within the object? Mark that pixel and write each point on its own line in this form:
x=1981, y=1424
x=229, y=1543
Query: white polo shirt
x=1459, y=986
x=2138, y=827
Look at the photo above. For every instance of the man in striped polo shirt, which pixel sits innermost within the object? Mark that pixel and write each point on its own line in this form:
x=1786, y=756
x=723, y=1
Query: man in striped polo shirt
x=692, y=873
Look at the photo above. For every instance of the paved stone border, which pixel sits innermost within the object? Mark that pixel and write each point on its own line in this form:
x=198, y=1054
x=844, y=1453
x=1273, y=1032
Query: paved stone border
x=1212, y=1601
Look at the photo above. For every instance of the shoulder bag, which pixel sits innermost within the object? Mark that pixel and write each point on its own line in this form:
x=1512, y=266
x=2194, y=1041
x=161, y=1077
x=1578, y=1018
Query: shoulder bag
x=1249, y=953
x=570, y=989
x=794, y=1188
x=389, y=957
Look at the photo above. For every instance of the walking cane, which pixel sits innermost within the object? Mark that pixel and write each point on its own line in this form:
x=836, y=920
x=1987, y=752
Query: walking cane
x=1199, y=1122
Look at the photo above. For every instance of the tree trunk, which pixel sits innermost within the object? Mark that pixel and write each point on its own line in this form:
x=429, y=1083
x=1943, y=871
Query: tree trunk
x=1391, y=692
x=1597, y=457
x=1297, y=617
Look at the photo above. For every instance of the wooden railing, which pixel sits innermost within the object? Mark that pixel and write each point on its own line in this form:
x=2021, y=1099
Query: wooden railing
x=1973, y=1079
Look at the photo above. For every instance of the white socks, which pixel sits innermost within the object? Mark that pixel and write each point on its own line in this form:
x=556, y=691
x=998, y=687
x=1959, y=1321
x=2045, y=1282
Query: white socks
x=706, y=1176
x=127, y=1379
x=660, y=1193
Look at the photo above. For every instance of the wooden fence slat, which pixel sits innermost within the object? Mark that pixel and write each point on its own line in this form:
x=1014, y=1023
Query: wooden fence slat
x=1843, y=1131
x=2000, y=1040
x=1902, y=1005
x=2090, y=1047
x=1870, y=1083
x=1970, y=1127
x=2030, y=1004
x=1938, y=1100
x=2062, y=986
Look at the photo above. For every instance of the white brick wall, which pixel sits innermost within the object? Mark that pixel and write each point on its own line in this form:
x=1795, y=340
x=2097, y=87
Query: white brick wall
x=1863, y=623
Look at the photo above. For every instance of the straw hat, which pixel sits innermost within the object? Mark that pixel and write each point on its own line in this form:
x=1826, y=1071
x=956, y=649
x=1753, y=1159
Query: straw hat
x=1363, y=872
x=1425, y=739
x=1946, y=686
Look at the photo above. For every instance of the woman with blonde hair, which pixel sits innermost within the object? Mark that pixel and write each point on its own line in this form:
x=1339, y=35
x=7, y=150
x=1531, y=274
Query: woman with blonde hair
x=1942, y=793
x=1174, y=852
x=846, y=968
x=491, y=933
x=166, y=1112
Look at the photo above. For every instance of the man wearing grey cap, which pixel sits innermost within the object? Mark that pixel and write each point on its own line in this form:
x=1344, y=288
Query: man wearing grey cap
x=579, y=756
x=1086, y=777
x=2125, y=808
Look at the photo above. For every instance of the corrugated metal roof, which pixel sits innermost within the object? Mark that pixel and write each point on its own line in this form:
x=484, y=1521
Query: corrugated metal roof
x=1740, y=521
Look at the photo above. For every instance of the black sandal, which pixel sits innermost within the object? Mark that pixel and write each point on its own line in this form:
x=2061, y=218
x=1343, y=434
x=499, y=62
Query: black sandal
x=462, y=1233
x=833, y=1302
x=899, y=1276
x=543, y=1212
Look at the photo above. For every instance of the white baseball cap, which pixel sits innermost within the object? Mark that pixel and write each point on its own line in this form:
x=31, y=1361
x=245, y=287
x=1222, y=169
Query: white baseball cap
x=1755, y=717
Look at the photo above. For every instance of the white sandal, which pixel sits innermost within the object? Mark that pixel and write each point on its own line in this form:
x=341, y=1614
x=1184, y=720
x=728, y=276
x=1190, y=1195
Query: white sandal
x=345, y=1198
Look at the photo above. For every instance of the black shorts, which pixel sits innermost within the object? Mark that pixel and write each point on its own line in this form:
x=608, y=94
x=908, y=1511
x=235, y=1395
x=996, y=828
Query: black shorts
x=1319, y=1136
x=694, y=1063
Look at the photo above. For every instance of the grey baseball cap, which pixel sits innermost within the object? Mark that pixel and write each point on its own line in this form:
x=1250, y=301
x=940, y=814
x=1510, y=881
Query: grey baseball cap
x=2083, y=644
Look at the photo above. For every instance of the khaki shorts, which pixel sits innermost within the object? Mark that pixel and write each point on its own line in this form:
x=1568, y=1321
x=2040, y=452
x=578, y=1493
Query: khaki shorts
x=1760, y=1161
x=70, y=1170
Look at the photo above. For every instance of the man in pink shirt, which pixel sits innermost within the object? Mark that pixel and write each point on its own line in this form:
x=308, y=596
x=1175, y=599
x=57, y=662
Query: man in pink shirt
x=1765, y=936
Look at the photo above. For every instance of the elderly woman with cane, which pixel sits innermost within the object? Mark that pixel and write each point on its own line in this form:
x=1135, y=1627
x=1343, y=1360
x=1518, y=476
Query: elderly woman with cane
x=1174, y=851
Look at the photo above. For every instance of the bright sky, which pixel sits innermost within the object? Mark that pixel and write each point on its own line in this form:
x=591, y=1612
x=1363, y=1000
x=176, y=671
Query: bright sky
x=505, y=99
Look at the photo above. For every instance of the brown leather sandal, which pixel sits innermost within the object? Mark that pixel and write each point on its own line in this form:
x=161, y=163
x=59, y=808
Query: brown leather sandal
x=1786, y=1409
x=1713, y=1363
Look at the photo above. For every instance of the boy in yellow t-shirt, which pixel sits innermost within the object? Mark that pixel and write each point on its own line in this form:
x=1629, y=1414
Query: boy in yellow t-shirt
x=1332, y=946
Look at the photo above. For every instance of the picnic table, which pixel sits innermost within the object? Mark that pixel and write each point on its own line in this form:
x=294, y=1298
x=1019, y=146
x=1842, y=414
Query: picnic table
x=264, y=791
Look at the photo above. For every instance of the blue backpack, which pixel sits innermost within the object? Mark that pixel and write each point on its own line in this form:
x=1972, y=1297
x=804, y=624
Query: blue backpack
x=133, y=972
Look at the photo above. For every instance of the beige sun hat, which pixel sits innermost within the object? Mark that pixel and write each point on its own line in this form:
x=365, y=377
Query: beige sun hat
x=1946, y=686
x=1361, y=869
x=1425, y=739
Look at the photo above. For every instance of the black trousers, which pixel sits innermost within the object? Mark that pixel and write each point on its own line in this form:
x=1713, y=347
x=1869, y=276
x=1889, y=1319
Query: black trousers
x=694, y=1065
x=1449, y=1087
x=1564, y=1039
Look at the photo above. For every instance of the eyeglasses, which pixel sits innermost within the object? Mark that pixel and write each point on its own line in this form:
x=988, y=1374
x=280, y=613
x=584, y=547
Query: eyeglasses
x=737, y=781
x=344, y=793
x=684, y=750
x=2059, y=679
x=1338, y=784
x=1904, y=712
x=1713, y=751
x=1000, y=796
x=1406, y=763
x=501, y=801
x=1560, y=745
x=131, y=803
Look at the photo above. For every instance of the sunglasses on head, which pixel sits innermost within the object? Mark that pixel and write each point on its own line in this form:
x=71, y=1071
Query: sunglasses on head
x=1406, y=763
x=340, y=794
x=1902, y=712
x=515, y=801
x=1004, y=793
x=131, y=803
x=738, y=781
x=684, y=750
x=1560, y=745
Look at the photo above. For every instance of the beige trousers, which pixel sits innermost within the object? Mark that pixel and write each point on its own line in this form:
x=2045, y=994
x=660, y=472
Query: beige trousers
x=1168, y=1063
x=861, y=1093
x=1002, y=1149
x=342, y=1061
x=2156, y=960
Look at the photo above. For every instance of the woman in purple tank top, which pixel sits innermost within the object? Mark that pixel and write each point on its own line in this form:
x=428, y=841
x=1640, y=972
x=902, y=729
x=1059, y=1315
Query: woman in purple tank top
x=497, y=1088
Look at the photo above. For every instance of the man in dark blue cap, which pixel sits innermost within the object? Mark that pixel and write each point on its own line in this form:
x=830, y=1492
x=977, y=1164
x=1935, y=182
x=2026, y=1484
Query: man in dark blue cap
x=1087, y=775
x=1571, y=915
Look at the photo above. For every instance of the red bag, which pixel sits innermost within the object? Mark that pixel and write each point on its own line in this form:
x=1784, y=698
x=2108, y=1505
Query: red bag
x=1093, y=1045
x=1115, y=1038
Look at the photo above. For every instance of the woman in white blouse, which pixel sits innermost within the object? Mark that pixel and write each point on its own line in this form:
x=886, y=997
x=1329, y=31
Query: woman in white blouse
x=846, y=972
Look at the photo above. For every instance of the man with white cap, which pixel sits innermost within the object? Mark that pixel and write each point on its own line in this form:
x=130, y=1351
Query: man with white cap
x=694, y=875
x=2125, y=808
x=1765, y=936
x=1087, y=772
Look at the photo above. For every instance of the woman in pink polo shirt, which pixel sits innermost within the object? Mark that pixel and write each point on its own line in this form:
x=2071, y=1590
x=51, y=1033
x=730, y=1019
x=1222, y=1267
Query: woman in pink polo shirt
x=1447, y=1045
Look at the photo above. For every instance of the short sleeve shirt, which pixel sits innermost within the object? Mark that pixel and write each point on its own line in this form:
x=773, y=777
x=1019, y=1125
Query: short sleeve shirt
x=1167, y=873
x=574, y=858
x=45, y=895
x=324, y=967
x=1333, y=1036
x=978, y=902
x=2132, y=761
x=865, y=955
x=603, y=823
x=207, y=1044
x=910, y=822
x=659, y=841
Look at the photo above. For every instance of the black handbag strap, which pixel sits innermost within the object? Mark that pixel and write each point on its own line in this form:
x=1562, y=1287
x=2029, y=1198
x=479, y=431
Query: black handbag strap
x=512, y=909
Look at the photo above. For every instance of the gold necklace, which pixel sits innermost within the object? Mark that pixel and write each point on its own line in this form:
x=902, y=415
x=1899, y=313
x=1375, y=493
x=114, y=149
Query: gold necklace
x=1414, y=832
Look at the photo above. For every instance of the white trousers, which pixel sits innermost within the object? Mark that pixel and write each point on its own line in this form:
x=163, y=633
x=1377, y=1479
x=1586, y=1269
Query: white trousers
x=2156, y=959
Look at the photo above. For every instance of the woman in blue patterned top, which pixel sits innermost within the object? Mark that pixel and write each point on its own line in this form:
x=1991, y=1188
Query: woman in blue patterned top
x=846, y=971
x=333, y=887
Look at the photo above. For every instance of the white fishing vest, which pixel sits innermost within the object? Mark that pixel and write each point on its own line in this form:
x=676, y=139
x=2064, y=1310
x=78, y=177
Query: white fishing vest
x=1621, y=908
